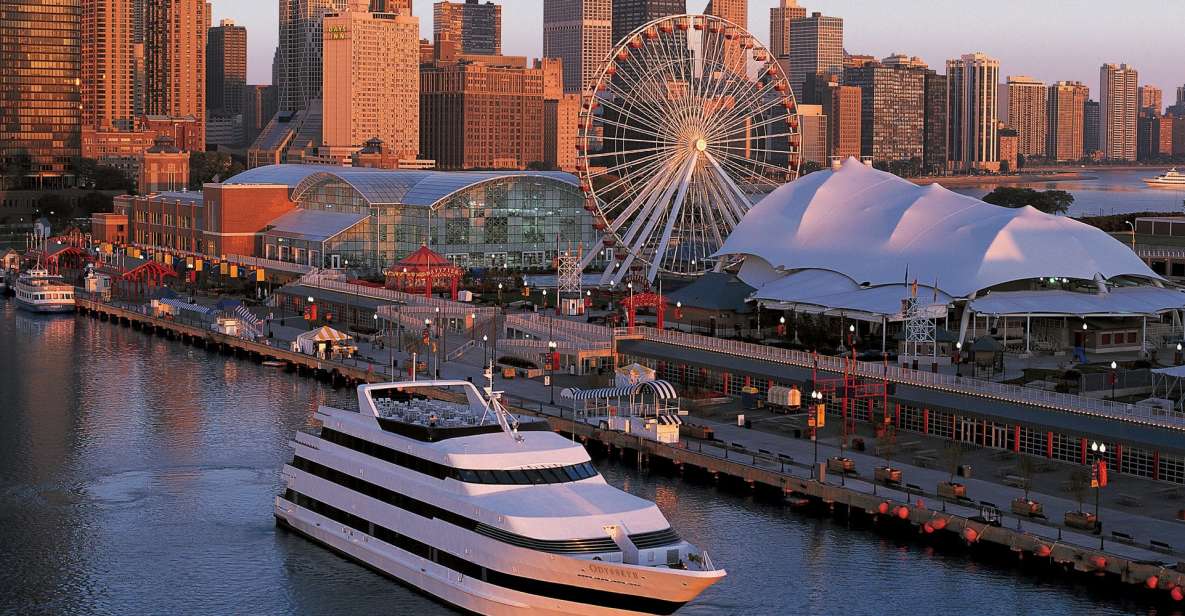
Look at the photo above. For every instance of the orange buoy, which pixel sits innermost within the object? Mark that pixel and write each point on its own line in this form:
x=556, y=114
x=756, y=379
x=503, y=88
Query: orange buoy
x=1177, y=594
x=1043, y=551
x=1098, y=561
x=883, y=507
x=903, y=512
x=939, y=523
x=928, y=527
x=971, y=535
x=1152, y=582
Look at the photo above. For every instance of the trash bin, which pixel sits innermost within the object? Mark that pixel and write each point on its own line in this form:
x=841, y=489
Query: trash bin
x=858, y=444
x=964, y=470
x=748, y=423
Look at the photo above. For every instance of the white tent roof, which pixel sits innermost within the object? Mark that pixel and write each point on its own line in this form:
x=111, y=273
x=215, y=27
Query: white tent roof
x=825, y=291
x=1129, y=301
x=873, y=226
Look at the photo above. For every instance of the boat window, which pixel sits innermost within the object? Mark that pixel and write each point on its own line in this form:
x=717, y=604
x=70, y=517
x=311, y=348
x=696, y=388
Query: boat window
x=554, y=475
x=503, y=477
x=467, y=476
x=519, y=477
x=486, y=477
x=574, y=473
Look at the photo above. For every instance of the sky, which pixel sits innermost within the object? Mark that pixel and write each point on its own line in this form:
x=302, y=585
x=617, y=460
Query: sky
x=1048, y=39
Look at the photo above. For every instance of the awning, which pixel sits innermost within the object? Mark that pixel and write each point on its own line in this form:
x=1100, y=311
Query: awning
x=662, y=390
x=1121, y=301
x=821, y=291
x=325, y=334
x=180, y=305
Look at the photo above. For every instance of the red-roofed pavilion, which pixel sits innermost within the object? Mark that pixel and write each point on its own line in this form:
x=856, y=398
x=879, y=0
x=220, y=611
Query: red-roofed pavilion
x=424, y=270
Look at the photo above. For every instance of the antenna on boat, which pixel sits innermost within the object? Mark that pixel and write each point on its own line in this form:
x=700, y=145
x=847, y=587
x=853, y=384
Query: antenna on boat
x=508, y=421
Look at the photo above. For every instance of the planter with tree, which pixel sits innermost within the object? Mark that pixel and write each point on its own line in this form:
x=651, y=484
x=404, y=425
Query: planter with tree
x=1079, y=485
x=952, y=459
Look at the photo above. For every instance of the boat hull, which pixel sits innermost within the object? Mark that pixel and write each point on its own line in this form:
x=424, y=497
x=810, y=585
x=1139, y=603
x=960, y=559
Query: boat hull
x=44, y=308
x=469, y=594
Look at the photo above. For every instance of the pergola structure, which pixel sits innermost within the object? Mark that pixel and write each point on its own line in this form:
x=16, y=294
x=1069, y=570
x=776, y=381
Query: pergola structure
x=137, y=277
x=424, y=270
x=644, y=300
x=58, y=256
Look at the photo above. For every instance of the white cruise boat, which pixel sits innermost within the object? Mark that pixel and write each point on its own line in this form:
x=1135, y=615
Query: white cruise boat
x=1169, y=178
x=489, y=512
x=37, y=290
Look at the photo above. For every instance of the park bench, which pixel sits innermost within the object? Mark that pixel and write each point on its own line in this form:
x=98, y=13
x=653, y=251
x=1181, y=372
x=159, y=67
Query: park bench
x=1015, y=481
x=1129, y=500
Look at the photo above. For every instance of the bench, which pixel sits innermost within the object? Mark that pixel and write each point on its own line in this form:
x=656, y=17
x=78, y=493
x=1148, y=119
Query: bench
x=1121, y=536
x=1015, y=481
x=1160, y=546
x=1171, y=493
x=923, y=461
x=1129, y=500
x=910, y=445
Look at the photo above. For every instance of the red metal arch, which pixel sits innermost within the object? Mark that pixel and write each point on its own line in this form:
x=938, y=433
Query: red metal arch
x=645, y=300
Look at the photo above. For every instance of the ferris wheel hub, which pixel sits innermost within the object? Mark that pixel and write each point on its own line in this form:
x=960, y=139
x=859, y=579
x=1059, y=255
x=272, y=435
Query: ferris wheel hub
x=700, y=144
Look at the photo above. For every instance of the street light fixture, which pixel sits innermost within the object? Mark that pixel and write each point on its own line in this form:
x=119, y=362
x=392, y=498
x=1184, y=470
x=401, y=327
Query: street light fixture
x=1100, y=450
x=1114, y=378
x=958, y=359
x=816, y=400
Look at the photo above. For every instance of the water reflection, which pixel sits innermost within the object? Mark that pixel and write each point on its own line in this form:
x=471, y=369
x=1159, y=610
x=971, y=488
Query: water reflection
x=1108, y=191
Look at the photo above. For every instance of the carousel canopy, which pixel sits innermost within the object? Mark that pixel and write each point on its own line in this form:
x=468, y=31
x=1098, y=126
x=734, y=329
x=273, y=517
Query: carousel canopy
x=325, y=334
x=662, y=390
x=422, y=258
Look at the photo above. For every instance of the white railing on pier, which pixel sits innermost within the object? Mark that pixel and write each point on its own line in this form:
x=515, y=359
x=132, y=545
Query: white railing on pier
x=1138, y=413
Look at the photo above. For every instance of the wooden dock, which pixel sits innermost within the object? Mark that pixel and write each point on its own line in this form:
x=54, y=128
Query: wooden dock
x=338, y=373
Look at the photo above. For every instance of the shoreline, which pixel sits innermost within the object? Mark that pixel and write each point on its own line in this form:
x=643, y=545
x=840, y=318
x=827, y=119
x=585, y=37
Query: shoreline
x=965, y=181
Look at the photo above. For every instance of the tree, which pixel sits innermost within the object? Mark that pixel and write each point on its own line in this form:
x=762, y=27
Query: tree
x=55, y=208
x=1005, y=167
x=94, y=202
x=1026, y=467
x=207, y=167
x=952, y=458
x=1079, y=484
x=538, y=165
x=1048, y=201
x=808, y=167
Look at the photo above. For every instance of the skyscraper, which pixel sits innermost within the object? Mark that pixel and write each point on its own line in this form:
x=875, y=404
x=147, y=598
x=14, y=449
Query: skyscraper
x=934, y=134
x=226, y=68
x=1026, y=114
x=1091, y=126
x=371, y=82
x=812, y=126
x=1150, y=98
x=780, y=18
x=1117, y=111
x=816, y=46
x=629, y=15
x=108, y=65
x=736, y=11
x=476, y=27
x=971, y=92
x=579, y=33
x=175, y=59
x=259, y=105
x=1065, y=135
x=892, y=109
x=39, y=74
x=299, y=52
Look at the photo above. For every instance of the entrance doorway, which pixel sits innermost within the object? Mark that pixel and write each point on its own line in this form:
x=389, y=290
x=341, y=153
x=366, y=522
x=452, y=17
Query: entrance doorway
x=966, y=430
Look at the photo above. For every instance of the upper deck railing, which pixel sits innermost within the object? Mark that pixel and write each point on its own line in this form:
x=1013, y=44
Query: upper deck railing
x=1137, y=413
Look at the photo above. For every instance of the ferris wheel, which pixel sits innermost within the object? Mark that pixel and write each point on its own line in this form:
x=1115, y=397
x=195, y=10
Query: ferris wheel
x=691, y=121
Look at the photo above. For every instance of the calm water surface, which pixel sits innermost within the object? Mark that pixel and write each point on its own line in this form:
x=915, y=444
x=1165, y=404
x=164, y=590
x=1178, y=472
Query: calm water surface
x=137, y=477
x=1115, y=191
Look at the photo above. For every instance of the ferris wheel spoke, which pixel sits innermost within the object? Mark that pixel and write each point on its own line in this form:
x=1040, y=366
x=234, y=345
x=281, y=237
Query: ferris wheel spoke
x=746, y=163
x=672, y=217
x=626, y=113
x=635, y=201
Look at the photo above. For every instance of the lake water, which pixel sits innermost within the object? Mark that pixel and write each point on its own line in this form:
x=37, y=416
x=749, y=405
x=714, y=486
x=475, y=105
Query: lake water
x=137, y=477
x=1109, y=191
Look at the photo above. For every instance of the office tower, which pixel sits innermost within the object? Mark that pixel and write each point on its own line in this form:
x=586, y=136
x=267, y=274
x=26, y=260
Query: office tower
x=1067, y=101
x=1091, y=125
x=841, y=106
x=892, y=110
x=629, y=15
x=476, y=27
x=259, y=105
x=1149, y=98
x=1178, y=132
x=299, y=51
x=39, y=73
x=175, y=59
x=812, y=128
x=971, y=92
x=1009, y=143
x=816, y=46
x=108, y=65
x=1166, y=125
x=1154, y=135
x=736, y=11
x=1026, y=107
x=934, y=156
x=561, y=124
x=1117, y=111
x=1181, y=95
x=780, y=18
x=371, y=82
x=483, y=114
x=579, y=33
x=226, y=68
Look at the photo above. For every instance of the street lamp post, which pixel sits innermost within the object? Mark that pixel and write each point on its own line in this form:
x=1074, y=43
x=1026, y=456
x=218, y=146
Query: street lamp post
x=551, y=346
x=485, y=350
x=1114, y=378
x=816, y=400
x=499, y=294
x=1099, y=450
x=958, y=359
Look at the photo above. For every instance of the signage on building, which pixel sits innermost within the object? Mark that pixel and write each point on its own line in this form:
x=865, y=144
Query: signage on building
x=338, y=33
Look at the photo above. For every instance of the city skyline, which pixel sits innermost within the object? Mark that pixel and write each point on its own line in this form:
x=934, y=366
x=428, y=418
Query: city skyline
x=1023, y=48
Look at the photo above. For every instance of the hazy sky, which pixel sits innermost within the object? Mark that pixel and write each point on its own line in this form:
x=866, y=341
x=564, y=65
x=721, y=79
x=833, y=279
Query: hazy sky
x=1046, y=39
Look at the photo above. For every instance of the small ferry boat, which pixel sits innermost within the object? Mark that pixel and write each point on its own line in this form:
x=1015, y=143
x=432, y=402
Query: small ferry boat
x=1169, y=178
x=37, y=290
x=487, y=511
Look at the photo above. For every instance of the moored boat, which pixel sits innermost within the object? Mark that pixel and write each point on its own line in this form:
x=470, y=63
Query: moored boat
x=37, y=290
